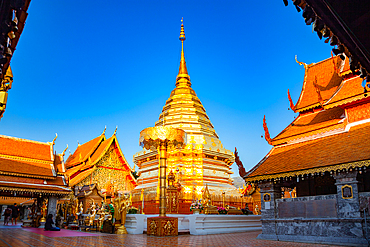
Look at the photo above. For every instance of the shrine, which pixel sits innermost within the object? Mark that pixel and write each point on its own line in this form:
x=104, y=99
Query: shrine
x=100, y=162
x=314, y=182
x=202, y=161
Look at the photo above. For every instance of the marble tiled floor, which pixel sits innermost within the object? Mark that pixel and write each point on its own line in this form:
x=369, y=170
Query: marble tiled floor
x=19, y=237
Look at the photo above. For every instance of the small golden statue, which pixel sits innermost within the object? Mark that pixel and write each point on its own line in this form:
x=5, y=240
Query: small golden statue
x=233, y=210
x=294, y=193
x=101, y=216
x=257, y=211
x=81, y=208
x=121, y=206
x=208, y=207
x=44, y=209
x=92, y=213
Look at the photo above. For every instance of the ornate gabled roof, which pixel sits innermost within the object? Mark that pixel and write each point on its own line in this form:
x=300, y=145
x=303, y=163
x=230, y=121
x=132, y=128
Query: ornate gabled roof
x=320, y=77
x=84, y=151
x=344, y=150
x=83, y=168
x=312, y=124
x=86, y=190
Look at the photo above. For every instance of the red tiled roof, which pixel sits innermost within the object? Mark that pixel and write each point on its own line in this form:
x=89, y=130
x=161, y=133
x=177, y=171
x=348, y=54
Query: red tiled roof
x=25, y=167
x=349, y=91
x=311, y=124
x=84, y=151
x=325, y=76
x=25, y=148
x=327, y=151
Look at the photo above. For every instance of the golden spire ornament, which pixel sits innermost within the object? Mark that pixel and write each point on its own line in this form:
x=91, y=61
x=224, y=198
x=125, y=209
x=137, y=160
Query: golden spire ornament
x=183, y=76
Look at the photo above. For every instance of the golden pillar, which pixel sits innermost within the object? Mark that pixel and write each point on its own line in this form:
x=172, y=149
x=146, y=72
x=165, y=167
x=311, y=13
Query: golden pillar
x=162, y=177
x=160, y=138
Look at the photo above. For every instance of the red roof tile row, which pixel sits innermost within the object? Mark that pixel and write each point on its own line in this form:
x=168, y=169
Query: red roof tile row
x=310, y=124
x=341, y=148
x=25, y=167
x=25, y=148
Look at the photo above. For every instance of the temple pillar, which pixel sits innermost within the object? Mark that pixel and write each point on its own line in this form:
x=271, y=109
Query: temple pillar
x=269, y=193
x=52, y=206
x=348, y=205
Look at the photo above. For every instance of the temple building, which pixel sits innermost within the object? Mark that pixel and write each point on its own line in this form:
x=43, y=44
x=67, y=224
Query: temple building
x=100, y=162
x=28, y=171
x=204, y=160
x=314, y=182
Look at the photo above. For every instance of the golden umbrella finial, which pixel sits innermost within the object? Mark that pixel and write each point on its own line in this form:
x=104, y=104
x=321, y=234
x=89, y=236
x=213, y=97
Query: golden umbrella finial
x=183, y=76
x=182, y=32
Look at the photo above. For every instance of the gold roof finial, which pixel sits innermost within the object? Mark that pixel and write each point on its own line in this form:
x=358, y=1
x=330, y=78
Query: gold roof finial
x=56, y=135
x=115, y=131
x=183, y=72
x=64, y=152
x=105, y=128
x=301, y=63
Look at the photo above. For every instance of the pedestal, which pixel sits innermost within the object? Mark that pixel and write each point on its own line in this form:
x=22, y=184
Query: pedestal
x=162, y=226
x=27, y=223
x=121, y=230
x=42, y=224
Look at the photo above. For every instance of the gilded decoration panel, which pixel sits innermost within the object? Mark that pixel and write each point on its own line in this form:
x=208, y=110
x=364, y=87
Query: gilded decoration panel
x=109, y=173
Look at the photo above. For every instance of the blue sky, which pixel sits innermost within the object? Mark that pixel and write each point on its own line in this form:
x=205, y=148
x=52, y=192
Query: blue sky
x=82, y=65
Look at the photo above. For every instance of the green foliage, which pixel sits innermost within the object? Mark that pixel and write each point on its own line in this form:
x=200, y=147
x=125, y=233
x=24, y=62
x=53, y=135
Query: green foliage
x=135, y=174
x=133, y=210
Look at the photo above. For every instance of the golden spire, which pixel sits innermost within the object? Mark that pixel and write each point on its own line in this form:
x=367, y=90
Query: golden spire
x=183, y=72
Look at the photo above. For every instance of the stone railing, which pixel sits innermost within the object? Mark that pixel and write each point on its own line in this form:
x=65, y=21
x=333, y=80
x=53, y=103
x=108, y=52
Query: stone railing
x=211, y=224
x=200, y=224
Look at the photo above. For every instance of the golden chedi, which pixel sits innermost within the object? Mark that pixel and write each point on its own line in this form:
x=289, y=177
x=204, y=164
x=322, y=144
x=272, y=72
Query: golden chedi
x=202, y=161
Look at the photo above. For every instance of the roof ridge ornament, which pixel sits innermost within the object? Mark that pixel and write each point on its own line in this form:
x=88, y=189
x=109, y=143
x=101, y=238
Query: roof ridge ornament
x=305, y=65
x=242, y=171
x=267, y=134
x=56, y=135
x=115, y=131
x=105, y=128
x=64, y=152
x=292, y=106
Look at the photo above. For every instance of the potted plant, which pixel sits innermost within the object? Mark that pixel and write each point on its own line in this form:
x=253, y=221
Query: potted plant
x=221, y=210
x=196, y=207
x=133, y=210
